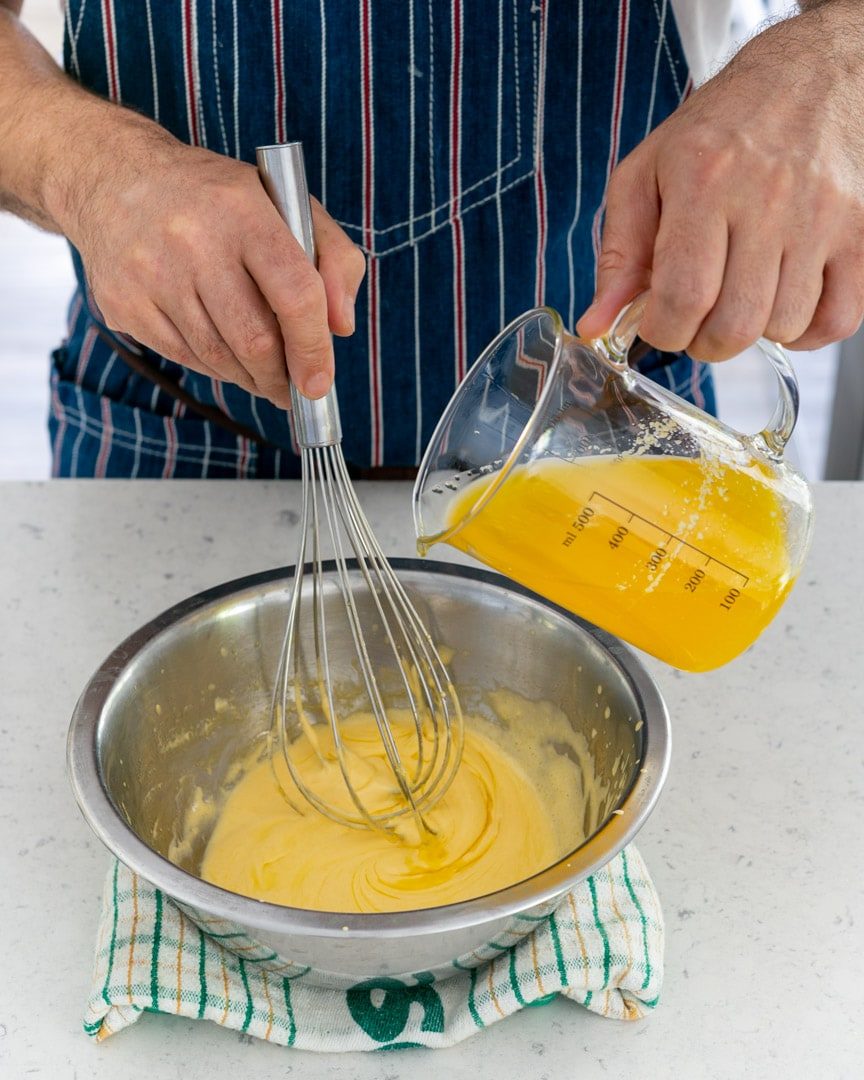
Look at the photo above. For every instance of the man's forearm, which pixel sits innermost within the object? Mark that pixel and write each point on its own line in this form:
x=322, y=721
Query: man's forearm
x=52, y=131
x=811, y=5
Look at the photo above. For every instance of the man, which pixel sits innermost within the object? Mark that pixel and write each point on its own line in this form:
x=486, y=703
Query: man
x=471, y=150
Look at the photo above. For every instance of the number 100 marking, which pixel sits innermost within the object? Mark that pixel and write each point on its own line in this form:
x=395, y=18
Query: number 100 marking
x=729, y=599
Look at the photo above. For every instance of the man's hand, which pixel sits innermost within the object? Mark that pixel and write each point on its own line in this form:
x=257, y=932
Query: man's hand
x=184, y=251
x=182, y=247
x=744, y=211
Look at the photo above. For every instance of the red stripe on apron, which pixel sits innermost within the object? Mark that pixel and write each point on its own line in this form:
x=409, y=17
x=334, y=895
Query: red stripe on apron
x=455, y=189
x=171, y=448
x=87, y=344
x=110, y=49
x=368, y=231
x=695, y=387
x=59, y=440
x=104, y=440
x=278, y=72
x=243, y=458
x=219, y=398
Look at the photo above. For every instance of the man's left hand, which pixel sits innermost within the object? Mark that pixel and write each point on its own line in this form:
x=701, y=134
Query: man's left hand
x=743, y=213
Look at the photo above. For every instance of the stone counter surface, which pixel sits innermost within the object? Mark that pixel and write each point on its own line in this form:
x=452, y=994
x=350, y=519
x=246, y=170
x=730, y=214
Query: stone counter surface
x=756, y=846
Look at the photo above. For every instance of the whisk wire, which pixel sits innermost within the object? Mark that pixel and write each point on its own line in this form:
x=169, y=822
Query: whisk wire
x=324, y=458
x=330, y=506
x=354, y=522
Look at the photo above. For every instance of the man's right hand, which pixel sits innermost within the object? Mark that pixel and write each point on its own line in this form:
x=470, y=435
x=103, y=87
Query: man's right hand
x=182, y=247
x=184, y=251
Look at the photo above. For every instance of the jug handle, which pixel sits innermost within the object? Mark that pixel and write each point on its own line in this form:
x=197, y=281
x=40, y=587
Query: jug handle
x=776, y=435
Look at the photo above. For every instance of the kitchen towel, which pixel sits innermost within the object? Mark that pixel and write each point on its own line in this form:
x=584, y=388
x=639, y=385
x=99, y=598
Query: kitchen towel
x=601, y=947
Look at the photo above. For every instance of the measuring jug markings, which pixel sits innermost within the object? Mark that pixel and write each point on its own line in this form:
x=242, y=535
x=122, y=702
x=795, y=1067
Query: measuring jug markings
x=651, y=593
x=668, y=537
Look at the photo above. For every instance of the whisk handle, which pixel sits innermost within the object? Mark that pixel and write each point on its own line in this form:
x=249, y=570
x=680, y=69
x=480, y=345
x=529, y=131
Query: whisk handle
x=283, y=174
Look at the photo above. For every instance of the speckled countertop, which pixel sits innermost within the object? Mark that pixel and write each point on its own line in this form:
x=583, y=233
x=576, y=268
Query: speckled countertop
x=752, y=847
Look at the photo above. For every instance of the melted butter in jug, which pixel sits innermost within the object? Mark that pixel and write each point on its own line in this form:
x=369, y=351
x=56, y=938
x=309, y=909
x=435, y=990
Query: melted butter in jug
x=685, y=558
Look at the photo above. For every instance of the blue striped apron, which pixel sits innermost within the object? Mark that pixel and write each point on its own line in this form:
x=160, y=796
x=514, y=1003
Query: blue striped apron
x=464, y=145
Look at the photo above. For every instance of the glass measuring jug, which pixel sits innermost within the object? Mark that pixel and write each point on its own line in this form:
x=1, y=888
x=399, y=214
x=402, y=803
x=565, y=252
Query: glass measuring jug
x=570, y=472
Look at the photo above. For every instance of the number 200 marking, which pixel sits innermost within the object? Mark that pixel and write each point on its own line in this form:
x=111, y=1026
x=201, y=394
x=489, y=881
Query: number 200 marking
x=695, y=581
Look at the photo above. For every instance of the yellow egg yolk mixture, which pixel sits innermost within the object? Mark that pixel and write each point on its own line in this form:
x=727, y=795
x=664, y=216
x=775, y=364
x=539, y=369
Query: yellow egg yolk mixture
x=490, y=829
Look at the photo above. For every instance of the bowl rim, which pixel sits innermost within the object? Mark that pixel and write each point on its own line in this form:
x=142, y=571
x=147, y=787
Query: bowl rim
x=106, y=821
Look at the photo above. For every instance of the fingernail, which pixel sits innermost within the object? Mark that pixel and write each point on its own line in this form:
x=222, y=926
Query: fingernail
x=348, y=313
x=317, y=385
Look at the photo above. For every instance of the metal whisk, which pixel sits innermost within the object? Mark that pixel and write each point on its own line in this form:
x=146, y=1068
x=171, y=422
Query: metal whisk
x=330, y=506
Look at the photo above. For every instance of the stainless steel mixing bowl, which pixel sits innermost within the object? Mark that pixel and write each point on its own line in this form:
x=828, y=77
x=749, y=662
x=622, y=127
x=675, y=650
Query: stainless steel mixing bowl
x=155, y=738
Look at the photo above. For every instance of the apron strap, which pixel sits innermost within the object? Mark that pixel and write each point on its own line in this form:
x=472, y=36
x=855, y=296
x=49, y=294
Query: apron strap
x=141, y=367
x=147, y=371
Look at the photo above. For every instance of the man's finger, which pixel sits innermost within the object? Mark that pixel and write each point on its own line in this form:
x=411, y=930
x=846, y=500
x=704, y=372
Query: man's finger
x=624, y=265
x=197, y=329
x=295, y=292
x=687, y=271
x=157, y=331
x=798, y=292
x=342, y=267
x=249, y=328
x=742, y=309
x=840, y=308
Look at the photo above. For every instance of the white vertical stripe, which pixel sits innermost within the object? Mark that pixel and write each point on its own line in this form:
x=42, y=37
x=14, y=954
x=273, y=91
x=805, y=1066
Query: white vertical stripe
x=541, y=201
x=661, y=37
x=672, y=70
x=155, y=81
x=253, y=402
x=457, y=25
x=139, y=437
x=196, y=75
x=106, y=371
x=73, y=32
x=367, y=94
x=215, y=46
x=431, y=17
x=498, y=158
x=578, y=207
x=621, y=49
x=516, y=79
x=236, y=102
x=205, y=460
x=412, y=144
x=82, y=414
